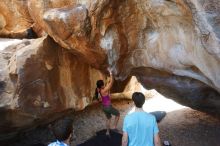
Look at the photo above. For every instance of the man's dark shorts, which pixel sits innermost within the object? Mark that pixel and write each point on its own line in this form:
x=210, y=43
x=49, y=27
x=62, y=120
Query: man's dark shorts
x=109, y=111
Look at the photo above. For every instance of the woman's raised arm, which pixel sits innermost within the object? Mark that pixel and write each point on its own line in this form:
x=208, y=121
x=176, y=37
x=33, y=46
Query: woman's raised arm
x=109, y=84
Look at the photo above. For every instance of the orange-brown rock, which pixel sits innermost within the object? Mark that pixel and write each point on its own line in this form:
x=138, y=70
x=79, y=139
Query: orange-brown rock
x=40, y=78
x=70, y=26
x=172, y=46
x=158, y=34
x=15, y=20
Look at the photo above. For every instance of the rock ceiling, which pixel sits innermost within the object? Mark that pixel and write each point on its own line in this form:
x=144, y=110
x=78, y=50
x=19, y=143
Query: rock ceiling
x=169, y=45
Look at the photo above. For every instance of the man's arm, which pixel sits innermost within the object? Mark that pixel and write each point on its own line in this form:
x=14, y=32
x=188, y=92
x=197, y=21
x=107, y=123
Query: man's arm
x=124, y=139
x=157, y=140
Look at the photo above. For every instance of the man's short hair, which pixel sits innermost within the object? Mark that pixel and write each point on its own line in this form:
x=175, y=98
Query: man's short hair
x=62, y=129
x=138, y=99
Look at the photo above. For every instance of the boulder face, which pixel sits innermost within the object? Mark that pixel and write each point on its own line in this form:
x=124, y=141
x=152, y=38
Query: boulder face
x=38, y=79
x=68, y=23
x=15, y=20
x=171, y=46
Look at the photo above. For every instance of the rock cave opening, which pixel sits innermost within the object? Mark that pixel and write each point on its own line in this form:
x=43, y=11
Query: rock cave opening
x=52, y=53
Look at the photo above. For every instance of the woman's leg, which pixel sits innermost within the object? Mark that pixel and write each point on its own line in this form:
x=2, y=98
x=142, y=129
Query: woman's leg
x=116, y=121
x=108, y=123
x=108, y=119
x=115, y=112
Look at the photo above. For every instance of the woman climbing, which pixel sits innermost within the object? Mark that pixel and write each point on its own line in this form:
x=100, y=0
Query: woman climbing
x=108, y=109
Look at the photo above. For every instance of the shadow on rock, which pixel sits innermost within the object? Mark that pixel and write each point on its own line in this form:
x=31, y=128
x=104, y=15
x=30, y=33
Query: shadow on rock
x=102, y=140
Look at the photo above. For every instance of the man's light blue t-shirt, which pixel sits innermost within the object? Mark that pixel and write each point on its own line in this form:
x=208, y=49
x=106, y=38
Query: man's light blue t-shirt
x=57, y=143
x=141, y=128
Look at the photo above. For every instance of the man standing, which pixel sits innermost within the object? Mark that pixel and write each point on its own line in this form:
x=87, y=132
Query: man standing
x=140, y=128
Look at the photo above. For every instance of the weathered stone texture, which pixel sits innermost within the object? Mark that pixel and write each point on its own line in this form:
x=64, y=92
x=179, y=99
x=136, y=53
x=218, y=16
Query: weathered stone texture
x=172, y=46
x=39, y=78
x=15, y=20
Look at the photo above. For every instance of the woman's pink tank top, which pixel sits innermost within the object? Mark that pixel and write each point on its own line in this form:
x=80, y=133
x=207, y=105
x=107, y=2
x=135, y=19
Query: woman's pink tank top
x=106, y=100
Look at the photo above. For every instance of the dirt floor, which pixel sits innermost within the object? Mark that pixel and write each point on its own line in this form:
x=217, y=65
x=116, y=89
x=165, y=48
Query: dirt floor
x=182, y=127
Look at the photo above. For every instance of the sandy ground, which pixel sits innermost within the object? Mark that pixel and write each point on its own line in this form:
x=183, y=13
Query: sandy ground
x=181, y=126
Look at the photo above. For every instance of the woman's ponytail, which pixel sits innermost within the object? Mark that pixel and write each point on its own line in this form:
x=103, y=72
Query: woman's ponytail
x=99, y=85
x=96, y=97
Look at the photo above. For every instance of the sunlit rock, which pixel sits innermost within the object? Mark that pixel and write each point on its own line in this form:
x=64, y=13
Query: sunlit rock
x=69, y=25
x=35, y=90
x=172, y=46
x=15, y=20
